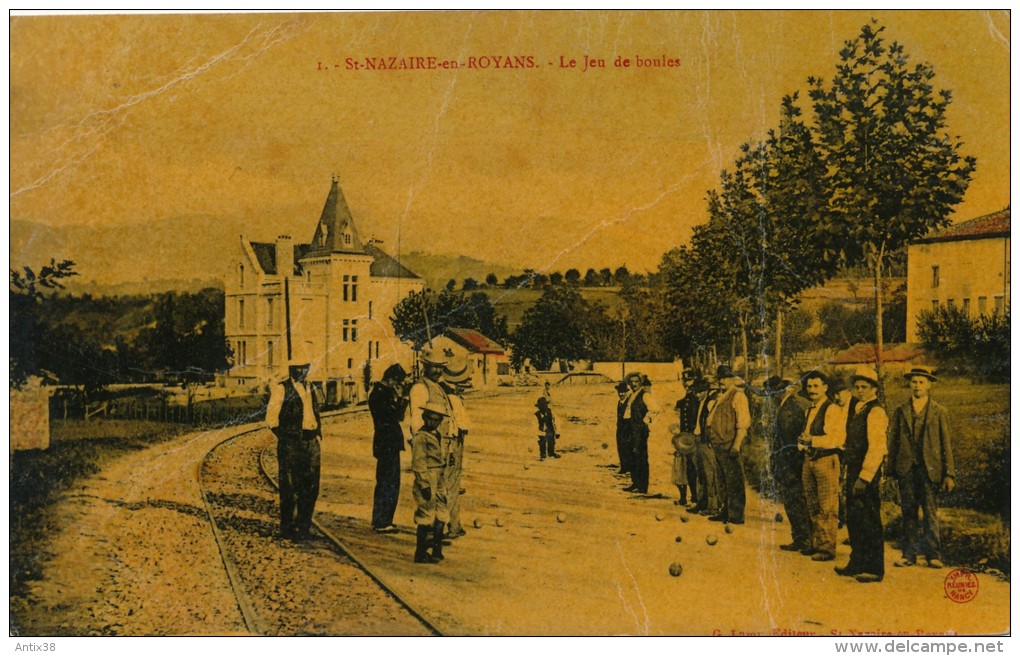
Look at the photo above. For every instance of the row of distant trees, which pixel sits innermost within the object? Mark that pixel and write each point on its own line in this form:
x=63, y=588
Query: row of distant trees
x=529, y=278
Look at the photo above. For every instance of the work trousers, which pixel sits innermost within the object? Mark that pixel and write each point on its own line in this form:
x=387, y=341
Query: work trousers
x=821, y=493
x=918, y=493
x=299, y=461
x=864, y=523
x=387, y=488
x=623, y=449
x=639, y=463
x=708, y=483
x=454, y=471
x=435, y=508
x=791, y=492
x=730, y=470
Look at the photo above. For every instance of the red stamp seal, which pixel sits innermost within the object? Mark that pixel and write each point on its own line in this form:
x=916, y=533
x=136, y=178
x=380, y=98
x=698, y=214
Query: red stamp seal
x=961, y=585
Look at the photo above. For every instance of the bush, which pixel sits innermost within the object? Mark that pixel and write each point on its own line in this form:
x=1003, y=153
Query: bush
x=975, y=347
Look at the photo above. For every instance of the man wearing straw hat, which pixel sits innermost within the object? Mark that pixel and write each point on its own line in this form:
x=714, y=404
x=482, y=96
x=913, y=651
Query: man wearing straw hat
x=921, y=457
x=293, y=416
x=863, y=452
x=456, y=379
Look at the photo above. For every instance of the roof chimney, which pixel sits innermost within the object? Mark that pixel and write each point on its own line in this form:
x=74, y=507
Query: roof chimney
x=284, y=255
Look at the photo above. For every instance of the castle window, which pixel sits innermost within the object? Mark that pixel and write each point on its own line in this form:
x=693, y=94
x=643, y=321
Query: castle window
x=370, y=310
x=269, y=313
x=354, y=289
x=354, y=330
x=346, y=330
x=1000, y=305
x=347, y=238
x=377, y=350
x=240, y=275
x=346, y=286
x=935, y=276
x=269, y=354
x=982, y=304
x=966, y=307
x=934, y=305
x=240, y=313
x=350, y=363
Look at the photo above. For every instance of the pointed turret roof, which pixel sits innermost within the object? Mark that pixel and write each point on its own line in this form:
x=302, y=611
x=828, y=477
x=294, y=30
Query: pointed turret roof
x=336, y=232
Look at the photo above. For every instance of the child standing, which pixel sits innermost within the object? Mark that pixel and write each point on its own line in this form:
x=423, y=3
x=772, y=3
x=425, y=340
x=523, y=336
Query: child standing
x=546, y=428
x=684, y=445
x=428, y=464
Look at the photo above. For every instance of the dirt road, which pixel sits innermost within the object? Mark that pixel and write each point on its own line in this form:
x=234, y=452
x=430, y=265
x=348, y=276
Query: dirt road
x=559, y=549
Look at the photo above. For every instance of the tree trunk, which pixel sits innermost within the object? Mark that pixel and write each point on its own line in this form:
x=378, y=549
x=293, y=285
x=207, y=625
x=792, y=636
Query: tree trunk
x=878, y=321
x=779, y=342
x=743, y=346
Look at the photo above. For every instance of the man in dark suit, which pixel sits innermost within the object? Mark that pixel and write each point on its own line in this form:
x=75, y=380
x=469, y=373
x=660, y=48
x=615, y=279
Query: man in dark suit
x=293, y=416
x=787, y=460
x=387, y=404
x=623, y=449
x=638, y=417
x=921, y=455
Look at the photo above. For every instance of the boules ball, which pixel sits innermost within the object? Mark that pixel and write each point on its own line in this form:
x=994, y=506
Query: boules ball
x=658, y=517
x=679, y=539
x=526, y=468
x=685, y=518
x=560, y=517
x=530, y=450
x=499, y=521
x=728, y=528
x=779, y=518
x=605, y=446
x=676, y=569
x=477, y=523
x=711, y=539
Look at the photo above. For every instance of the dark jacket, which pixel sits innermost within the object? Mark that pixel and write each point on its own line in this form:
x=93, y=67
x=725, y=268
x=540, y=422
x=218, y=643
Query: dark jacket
x=936, y=442
x=387, y=410
x=791, y=417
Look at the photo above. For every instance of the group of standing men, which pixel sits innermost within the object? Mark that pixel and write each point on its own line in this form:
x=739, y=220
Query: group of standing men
x=433, y=413
x=820, y=448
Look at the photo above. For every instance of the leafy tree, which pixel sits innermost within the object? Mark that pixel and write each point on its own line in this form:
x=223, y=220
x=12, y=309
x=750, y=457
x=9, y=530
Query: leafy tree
x=555, y=278
x=491, y=280
x=620, y=275
x=795, y=331
x=591, y=279
x=470, y=284
x=557, y=326
x=447, y=310
x=893, y=172
x=26, y=292
x=451, y=285
x=607, y=276
x=844, y=326
x=539, y=280
x=573, y=277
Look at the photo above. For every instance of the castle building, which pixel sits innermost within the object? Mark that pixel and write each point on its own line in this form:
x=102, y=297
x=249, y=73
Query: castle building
x=964, y=266
x=333, y=298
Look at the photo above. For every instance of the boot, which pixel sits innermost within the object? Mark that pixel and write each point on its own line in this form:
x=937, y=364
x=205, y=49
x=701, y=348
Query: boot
x=421, y=554
x=437, y=541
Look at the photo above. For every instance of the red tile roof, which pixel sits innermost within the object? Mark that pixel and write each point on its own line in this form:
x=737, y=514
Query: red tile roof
x=865, y=354
x=474, y=341
x=983, y=227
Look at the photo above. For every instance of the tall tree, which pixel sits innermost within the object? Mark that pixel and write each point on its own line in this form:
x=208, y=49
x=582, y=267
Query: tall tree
x=26, y=292
x=894, y=173
x=557, y=326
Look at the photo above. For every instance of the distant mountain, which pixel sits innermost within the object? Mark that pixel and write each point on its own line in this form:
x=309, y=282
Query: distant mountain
x=437, y=270
x=188, y=253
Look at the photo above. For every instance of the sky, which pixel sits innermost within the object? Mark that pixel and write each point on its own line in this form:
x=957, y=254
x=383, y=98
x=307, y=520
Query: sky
x=134, y=119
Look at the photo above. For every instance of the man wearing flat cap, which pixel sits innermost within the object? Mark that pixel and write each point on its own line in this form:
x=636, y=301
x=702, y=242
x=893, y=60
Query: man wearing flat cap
x=863, y=451
x=728, y=423
x=293, y=417
x=787, y=460
x=921, y=457
x=387, y=404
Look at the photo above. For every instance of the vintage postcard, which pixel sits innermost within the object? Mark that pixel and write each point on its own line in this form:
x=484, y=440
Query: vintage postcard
x=511, y=323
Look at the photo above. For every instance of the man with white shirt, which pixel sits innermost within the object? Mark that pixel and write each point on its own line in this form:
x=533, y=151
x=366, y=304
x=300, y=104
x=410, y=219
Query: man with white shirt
x=863, y=451
x=921, y=457
x=293, y=417
x=822, y=441
x=640, y=413
x=728, y=422
x=456, y=380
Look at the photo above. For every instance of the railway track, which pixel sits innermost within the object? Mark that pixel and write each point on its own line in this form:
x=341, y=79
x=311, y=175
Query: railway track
x=318, y=587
